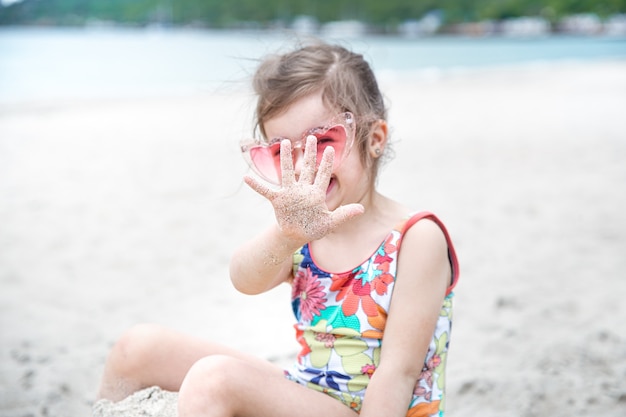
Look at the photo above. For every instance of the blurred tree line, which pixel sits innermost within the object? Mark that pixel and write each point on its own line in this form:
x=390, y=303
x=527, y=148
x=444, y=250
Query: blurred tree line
x=384, y=14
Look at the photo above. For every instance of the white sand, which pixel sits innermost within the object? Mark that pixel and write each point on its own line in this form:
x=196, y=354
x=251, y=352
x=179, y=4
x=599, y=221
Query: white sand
x=114, y=213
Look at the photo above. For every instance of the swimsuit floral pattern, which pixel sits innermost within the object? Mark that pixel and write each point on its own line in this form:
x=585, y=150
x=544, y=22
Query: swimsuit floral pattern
x=341, y=321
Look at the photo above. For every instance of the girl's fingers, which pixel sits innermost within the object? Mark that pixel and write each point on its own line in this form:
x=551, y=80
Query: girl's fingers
x=310, y=159
x=286, y=163
x=259, y=187
x=326, y=167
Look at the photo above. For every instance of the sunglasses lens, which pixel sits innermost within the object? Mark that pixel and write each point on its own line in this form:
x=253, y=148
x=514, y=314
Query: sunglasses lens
x=265, y=159
x=334, y=137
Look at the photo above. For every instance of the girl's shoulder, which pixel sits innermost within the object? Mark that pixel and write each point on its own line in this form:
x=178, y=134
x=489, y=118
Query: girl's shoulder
x=426, y=227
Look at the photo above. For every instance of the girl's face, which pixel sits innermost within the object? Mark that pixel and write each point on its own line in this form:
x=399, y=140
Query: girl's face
x=350, y=181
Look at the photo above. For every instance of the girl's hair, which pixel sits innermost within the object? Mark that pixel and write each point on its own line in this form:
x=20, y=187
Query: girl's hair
x=345, y=79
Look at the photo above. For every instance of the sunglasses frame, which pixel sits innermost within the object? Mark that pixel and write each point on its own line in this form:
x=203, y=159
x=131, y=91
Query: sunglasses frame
x=344, y=119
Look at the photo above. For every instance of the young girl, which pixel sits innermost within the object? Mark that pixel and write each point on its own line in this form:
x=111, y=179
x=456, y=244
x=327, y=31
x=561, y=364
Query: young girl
x=371, y=280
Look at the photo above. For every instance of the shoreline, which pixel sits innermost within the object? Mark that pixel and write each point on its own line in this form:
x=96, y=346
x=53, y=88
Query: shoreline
x=517, y=27
x=423, y=75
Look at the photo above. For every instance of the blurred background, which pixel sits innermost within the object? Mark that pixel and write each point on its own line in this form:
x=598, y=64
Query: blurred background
x=55, y=49
x=476, y=17
x=121, y=197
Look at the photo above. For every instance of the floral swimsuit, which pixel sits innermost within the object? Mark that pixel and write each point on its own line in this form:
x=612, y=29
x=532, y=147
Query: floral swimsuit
x=341, y=320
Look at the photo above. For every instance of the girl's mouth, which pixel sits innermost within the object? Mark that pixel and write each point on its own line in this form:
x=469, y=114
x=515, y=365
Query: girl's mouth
x=331, y=185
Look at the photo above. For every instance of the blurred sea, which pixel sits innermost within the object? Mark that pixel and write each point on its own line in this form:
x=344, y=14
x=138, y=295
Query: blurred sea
x=59, y=64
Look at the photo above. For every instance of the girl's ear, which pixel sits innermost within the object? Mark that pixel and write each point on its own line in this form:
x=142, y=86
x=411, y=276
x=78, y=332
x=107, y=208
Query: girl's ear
x=378, y=138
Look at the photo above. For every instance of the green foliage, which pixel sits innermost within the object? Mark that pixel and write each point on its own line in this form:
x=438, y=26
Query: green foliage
x=229, y=13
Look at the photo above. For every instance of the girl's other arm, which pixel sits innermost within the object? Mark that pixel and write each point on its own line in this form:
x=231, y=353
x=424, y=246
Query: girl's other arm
x=423, y=277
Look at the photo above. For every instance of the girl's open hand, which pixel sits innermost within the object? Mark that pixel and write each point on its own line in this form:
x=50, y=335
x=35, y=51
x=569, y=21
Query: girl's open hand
x=300, y=204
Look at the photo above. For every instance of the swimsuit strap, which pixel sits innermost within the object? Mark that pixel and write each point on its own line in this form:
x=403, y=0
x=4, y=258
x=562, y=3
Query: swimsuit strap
x=454, y=263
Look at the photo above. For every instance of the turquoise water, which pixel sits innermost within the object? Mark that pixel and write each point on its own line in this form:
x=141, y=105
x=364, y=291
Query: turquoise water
x=49, y=64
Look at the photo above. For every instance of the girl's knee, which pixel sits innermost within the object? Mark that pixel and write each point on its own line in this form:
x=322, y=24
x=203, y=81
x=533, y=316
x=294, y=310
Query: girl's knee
x=211, y=382
x=128, y=361
x=135, y=347
x=212, y=373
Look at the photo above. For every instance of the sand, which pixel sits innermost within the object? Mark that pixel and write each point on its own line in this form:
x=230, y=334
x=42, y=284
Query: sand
x=117, y=212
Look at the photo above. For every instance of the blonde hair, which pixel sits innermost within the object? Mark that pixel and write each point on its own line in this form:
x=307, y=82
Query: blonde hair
x=345, y=79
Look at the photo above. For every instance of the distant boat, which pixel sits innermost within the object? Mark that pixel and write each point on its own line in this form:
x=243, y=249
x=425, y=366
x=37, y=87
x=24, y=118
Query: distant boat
x=615, y=25
x=581, y=24
x=428, y=25
x=305, y=25
x=343, y=29
x=525, y=27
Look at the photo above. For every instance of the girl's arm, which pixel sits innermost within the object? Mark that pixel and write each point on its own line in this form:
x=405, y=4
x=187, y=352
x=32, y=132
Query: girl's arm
x=301, y=216
x=263, y=262
x=423, y=277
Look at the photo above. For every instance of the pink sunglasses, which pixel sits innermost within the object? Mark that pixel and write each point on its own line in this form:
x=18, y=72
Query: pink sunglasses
x=264, y=156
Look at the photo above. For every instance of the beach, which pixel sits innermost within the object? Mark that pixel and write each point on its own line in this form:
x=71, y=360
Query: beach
x=115, y=212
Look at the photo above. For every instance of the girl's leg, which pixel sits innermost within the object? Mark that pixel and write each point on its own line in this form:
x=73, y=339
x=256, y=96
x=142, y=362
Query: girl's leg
x=224, y=386
x=148, y=355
